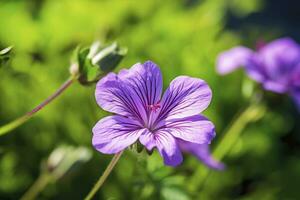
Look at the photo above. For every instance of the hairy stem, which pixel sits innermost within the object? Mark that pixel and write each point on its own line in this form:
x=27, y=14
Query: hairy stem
x=19, y=121
x=104, y=176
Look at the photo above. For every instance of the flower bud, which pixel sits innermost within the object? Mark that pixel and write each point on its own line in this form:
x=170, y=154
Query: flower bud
x=97, y=60
x=64, y=158
x=5, y=55
x=74, y=69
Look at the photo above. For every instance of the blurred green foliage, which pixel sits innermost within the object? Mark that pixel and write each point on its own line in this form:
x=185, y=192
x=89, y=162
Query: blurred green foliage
x=183, y=37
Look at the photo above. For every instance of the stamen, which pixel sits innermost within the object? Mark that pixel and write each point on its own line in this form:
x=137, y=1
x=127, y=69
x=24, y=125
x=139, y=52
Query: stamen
x=154, y=107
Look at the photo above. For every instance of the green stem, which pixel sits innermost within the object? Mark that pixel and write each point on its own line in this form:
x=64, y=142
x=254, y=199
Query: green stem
x=37, y=187
x=250, y=114
x=19, y=121
x=104, y=176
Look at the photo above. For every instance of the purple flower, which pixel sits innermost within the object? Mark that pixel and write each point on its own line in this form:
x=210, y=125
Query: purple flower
x=275, y=65
x=170, y=123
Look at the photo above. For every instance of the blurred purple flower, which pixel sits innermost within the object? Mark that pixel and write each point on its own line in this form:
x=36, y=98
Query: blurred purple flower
x=275, y=65
x=171, y=123
x=201, y=151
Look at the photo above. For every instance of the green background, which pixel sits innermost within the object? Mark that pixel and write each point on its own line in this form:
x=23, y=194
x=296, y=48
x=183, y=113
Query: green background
x=182, y=37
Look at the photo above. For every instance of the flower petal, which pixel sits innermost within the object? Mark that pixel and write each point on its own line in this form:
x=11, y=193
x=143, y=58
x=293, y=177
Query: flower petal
x=280, y=57
x=276, y=86
x=132, y=91
x=232, y=59
x=145, y=80
x=185, y=97
x=254, y=68
x=274, y=64
x=168, y=148
x=114, y=95
x=166, y=145
x=201, y=151
x=114, y=133
x=148, y=140
x=197, y=129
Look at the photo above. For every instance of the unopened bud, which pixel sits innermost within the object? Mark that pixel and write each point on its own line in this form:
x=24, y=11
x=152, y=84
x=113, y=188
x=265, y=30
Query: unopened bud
x=5, y=55
x=74, y=69
x=97, y=60
x=64, y=158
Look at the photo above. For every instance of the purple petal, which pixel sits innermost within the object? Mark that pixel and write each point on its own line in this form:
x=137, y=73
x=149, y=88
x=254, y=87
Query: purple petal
x=113, y=95
x=114, y=133
x=145, y=80
x=197, y=129
x=132, y=92
x=148, y=140
x=232, y=59
x=185, y=97
x=254, y=69
x=280, y=57
x=276, y=86
x=201, y=151
x=277, y=61
x=295, y=79
x=168, y=148
x=166, y=145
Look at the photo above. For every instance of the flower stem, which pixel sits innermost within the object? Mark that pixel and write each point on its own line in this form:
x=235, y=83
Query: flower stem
x=37, y=187
x=250, y=114
x=19, y=121
x=104, y=176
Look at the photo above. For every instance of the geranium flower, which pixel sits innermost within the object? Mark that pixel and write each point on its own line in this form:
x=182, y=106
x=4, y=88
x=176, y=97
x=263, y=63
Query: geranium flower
x=169, y=123
x=275, y=65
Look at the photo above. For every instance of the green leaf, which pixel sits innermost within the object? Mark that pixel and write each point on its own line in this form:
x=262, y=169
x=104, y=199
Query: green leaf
x=174, y=193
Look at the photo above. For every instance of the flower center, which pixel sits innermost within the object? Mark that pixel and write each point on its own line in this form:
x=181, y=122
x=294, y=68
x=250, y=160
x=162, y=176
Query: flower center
x=152, y=112
x=154, y=107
